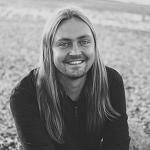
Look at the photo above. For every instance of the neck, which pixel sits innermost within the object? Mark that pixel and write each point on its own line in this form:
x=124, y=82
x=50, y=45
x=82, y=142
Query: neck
x=72, y=87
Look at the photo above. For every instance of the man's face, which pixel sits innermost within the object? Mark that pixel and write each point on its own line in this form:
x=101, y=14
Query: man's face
x=73, y=48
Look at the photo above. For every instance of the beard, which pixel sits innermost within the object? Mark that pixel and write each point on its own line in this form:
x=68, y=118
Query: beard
x=76, y=77
x=71, y=76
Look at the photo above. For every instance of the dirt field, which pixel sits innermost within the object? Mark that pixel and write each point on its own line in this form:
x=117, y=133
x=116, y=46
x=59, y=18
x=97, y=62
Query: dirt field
x=124, y=42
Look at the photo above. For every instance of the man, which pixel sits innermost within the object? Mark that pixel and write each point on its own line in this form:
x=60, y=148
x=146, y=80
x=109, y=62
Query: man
x=72, y=101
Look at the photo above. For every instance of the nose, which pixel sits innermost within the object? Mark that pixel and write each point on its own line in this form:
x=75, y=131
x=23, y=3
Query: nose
x=75, y=49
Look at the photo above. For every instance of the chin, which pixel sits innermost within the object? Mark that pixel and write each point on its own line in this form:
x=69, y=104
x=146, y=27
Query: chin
x=74, y=77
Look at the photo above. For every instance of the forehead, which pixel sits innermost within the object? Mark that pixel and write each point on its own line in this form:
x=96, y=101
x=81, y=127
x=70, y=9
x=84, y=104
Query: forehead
x=73, y=29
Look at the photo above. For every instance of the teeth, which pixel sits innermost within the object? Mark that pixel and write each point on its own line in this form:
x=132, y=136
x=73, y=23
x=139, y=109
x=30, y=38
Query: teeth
x=75, y=62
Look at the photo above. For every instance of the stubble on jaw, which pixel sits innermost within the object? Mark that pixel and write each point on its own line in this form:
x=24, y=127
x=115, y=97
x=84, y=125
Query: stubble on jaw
x=75, y=74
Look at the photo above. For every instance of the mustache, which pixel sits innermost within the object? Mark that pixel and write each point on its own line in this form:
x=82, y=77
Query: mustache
x=69, y=58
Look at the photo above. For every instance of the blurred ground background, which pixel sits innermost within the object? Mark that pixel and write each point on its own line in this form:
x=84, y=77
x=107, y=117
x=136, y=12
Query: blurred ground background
x=123, y=31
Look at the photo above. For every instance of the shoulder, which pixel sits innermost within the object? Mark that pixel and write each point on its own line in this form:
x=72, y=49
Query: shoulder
x=114, y=77
x=116, y=90
x=24, y=89
x=113, y=74
x=27, y=83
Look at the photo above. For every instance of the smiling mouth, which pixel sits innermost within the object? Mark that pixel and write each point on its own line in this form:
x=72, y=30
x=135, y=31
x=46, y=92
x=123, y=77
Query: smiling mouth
x=75, y=62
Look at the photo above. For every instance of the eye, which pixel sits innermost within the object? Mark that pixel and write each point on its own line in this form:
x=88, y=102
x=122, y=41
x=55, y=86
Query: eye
x=84, y=42
x=64, y=44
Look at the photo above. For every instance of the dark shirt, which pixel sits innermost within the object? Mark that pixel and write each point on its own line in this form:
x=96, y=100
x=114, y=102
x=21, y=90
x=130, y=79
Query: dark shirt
x=34, y=136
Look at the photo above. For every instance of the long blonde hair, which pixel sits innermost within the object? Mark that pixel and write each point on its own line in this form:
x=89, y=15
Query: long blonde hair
x=96, y=90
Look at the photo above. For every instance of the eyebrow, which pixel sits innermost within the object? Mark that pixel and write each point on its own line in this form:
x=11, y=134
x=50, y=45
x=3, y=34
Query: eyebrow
x=84, y=36
x=80, y=37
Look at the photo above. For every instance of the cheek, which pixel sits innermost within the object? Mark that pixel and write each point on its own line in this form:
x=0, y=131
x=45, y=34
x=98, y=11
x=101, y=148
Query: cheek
x=58, y=56
x=55, y=56
x=90, y=53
